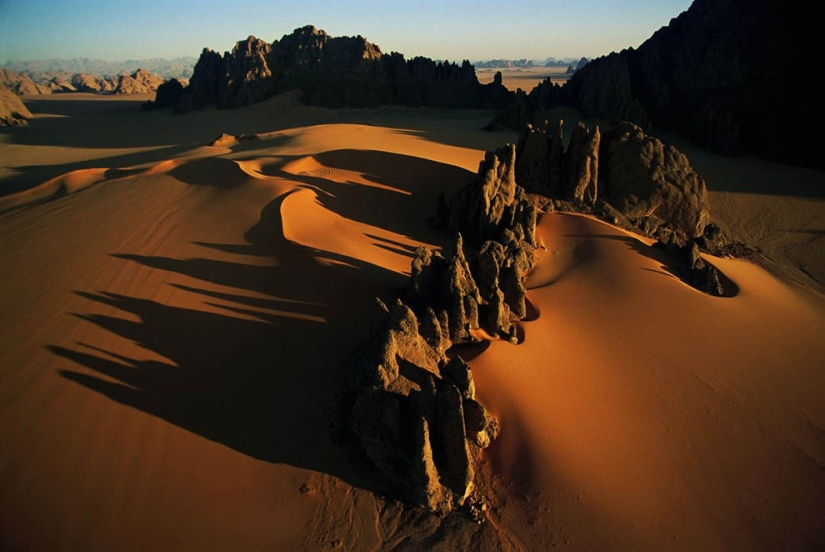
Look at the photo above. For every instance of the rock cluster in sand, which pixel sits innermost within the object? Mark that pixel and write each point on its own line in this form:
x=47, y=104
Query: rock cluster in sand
x=645, y=182
x=333, y=72
x=630, y=179
x=414, y=411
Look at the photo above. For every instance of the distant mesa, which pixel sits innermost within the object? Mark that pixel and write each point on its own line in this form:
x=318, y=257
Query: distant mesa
x=719, y=73
x=331, y=72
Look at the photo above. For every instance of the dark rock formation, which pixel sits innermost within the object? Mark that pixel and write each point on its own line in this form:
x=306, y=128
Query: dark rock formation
x=653, y=184
x=692, y=269
x=640, y=180
x=446, y=287
x=493, y=202
x=415, y=415
x=333, y=72
x=13, y=112
x=544, y=166
x=408, y=416
x=168, y=94
x=729, y=74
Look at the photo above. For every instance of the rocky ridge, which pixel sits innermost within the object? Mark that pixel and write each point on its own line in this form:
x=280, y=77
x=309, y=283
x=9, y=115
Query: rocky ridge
x=332, y=72
x=138, y=82
x=410, y=397
x=725, y=73
x=413, y=411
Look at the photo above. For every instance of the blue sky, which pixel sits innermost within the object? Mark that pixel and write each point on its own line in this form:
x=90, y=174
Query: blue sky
x=454, y=30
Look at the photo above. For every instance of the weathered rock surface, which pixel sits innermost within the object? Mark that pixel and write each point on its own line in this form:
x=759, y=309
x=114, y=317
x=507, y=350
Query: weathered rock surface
x=407, y=414
x=653, y=184
x=544, y=166
x=493, y=202
x=626, y=176
x=333, y=72
x=13, y=112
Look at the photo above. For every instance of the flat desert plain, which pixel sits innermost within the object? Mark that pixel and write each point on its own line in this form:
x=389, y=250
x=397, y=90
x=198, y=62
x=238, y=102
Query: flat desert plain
x=177, y=319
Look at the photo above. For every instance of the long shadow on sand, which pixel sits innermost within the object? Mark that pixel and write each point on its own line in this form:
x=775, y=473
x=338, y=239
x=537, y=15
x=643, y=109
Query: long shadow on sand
x=259, y=369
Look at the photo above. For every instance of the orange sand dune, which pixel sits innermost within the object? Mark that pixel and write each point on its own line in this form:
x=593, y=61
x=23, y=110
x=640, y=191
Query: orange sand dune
x=174, y=334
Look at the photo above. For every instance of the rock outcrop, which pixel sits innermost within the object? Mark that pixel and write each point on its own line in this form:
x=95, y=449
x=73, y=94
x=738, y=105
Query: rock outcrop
x=625, y=175
x=653, y=185
x=414, y=413
x=731, y=75
x=139, y=82
x=20, y=84
x=332, y=72
x=83, y=82
x=59, y=85
x=13, y=112
x=408, y=413
x=168, y=94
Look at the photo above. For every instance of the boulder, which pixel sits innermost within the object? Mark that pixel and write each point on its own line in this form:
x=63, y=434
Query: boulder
x=644, y=177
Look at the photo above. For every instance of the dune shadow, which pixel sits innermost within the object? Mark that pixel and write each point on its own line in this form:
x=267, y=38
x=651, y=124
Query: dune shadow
x=668, y=263
x=255, y=364
x=416, y=183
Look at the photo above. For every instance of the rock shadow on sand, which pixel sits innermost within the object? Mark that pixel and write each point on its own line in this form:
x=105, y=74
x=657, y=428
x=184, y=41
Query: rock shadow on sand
x=256, y=368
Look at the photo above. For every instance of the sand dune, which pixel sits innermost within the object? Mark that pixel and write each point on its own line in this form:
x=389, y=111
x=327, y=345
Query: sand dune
x=177, y=323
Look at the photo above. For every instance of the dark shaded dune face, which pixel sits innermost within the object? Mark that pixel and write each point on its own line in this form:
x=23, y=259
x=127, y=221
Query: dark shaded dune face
x=399, y=171
x=212, y=171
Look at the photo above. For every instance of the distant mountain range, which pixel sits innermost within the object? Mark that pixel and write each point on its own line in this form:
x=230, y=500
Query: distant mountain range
x=178, y=68
x=511, y=63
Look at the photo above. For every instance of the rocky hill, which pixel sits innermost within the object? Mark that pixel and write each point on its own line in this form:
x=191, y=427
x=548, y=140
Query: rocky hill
x=731, y=75
x=333, y=72
x=20, y=84
x=13, y=111
x=138, y=82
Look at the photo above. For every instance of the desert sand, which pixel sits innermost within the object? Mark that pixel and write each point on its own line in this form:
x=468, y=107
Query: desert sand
x=177, y=319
